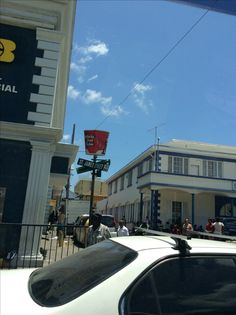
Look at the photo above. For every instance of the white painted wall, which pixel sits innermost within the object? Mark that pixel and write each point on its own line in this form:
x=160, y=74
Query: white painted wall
x=204, y=200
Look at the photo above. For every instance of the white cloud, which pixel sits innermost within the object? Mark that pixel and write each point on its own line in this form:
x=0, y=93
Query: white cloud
x=80, y=70
x=72, y=92
x=141, y=88
x=94, y=77
x=139, y=95
x=105, y=103
x=112, y=111
x=85, y=55
x=85, y=59
x=92, y=96
x=96, y=47
x=66, y=138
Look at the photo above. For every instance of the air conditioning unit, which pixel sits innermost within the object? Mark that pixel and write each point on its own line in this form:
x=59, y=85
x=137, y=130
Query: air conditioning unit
x=234, y=185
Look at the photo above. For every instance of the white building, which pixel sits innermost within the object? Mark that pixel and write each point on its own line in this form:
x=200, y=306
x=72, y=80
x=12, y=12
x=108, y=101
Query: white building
x=173, y=181
x=35, y=43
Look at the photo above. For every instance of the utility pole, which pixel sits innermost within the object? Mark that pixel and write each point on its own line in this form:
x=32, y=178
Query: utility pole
x=156, y=146
x=92, y=190
x=69, y=174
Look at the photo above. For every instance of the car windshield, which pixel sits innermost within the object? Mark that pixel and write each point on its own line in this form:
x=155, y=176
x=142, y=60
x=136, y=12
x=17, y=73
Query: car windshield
x=71, y=277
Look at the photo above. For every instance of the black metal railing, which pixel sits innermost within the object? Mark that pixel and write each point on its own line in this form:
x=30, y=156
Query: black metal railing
x=34, y=245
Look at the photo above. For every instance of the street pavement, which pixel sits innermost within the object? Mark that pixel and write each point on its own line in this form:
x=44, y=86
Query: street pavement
x=52, y=251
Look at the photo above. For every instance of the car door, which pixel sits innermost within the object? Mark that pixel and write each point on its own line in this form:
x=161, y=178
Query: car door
x=193, y=285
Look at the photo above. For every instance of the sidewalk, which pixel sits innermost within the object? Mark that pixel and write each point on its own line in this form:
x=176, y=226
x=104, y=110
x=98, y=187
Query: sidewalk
x=53, y=252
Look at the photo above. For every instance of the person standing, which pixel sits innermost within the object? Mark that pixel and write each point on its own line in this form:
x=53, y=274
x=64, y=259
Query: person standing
x=122, y=229
x=97, y=232
x=147, y=221
x=187, y=227
x=209, y=227
x=61, y=225
x=218, y=227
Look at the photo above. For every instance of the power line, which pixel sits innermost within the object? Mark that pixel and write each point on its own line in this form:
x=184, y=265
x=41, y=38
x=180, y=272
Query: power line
x=159, y=62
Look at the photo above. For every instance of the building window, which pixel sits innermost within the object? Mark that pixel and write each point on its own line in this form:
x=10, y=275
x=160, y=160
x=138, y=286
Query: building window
x=176, y=212
x=109, y=188
x=170, y=164
x=150, y=163
x=220, y=169
x=177, y=165
x=129, y=176
x=185, y=166
x=140, y=169
x=212, y=168
x=122, y=182
x=131, y=213
x=115, y=186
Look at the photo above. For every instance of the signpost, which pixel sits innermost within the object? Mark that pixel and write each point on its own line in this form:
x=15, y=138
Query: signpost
x=95, y=144
x=102, y=165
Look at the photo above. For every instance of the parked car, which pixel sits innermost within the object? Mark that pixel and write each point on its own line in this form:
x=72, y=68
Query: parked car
x=82, y=224
x=229, y=226
x=129, y=276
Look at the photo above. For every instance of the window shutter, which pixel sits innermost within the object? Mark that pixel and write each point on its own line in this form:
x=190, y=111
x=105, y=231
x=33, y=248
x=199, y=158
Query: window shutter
x=220, y=168
x=204, y=168
x=169, y=164
x=186, y=166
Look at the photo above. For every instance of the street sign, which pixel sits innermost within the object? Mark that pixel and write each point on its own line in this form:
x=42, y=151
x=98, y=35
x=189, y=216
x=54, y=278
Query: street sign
x=102, y=165
x=86, y=163
x=82, y=169
x=106, y=164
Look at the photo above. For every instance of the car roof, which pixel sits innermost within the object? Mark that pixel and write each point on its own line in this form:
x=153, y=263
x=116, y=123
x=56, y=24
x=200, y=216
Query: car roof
x=139, y=243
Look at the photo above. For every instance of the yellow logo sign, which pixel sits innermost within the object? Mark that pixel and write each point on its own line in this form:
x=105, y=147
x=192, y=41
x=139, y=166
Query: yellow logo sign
x=6, y=50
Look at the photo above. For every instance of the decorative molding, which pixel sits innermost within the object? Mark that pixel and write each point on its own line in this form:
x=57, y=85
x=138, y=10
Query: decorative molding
x=40, y=117
x=50, y=42
x=22, y=132
x=28, y=15
x=44, y=80
x=50, y=36
x=47, y=45
x=66, y=150
x=43, y=147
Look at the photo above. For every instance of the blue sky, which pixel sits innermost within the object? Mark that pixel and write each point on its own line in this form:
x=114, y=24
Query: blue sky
x=191, y=95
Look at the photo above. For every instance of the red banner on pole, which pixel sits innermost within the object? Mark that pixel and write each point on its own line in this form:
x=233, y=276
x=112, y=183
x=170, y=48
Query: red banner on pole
x=95, y=142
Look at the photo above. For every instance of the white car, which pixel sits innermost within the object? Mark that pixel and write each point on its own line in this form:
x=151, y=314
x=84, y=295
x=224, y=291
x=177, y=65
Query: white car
x=133, y=275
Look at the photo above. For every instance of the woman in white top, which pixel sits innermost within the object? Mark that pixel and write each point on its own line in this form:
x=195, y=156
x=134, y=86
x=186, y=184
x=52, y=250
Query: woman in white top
x=218, y=227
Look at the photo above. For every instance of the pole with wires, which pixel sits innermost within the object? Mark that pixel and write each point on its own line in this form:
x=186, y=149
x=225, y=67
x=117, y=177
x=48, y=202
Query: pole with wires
x=68, y=178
